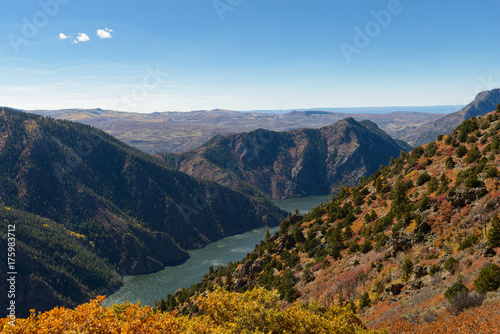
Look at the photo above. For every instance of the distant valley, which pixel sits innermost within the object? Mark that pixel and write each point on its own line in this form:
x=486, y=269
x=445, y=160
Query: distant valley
x=177, y=132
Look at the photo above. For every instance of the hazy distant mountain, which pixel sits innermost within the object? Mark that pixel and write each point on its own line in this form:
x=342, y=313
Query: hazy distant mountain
x=183, y=131
x=482, y=104
x=89, y=208
x=293, y=163
x=445, y=109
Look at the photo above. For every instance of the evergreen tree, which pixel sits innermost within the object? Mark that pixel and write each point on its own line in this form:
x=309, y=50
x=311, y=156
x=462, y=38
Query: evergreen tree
x=286, y=287
x=364, y=300
x=456, y=290
x=229, y=277
x=407, y=268
x=307, y=276
x=488, y=279
x=267, y=236
x=494, y=233
x=449, y=163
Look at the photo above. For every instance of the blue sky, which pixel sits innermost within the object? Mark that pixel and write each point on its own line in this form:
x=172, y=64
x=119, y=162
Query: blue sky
x=246, y=54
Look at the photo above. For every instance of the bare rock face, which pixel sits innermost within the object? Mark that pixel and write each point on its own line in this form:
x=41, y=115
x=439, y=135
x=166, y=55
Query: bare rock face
x=463, y=196
x=485, y=250
x=395, y=289
x=419, y=272
x=294, y=163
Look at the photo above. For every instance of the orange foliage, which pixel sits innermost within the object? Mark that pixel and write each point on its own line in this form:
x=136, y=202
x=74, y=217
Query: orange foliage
x=256, y=311
x=483, y=320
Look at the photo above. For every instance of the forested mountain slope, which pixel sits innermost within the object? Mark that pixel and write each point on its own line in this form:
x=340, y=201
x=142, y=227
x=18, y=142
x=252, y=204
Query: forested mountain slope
x=99, y=208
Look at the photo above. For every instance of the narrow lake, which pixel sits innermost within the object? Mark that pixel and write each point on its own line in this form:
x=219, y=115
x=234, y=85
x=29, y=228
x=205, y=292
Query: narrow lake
x=151, y=287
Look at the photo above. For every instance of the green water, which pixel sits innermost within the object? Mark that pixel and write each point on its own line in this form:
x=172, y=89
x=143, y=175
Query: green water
x=151, y=287
x=304, y=204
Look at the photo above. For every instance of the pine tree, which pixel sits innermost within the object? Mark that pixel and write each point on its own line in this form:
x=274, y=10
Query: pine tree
x=494, y=233
x=407, y=268
x=364, y=300
x=267, y=236
x=229, y=277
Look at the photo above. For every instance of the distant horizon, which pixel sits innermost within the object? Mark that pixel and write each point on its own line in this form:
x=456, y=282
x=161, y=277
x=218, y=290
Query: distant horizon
x=439, y=109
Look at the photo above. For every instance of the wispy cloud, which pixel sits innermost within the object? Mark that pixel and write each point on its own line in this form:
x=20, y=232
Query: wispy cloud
x=63, y=36
x=104, y=33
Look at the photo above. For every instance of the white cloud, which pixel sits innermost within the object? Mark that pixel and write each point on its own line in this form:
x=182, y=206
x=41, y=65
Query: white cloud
x=82, y=37
x=63, y=36
x=104, y=33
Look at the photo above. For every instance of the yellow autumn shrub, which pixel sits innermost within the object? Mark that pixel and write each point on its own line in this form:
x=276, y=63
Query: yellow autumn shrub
x=255, y=311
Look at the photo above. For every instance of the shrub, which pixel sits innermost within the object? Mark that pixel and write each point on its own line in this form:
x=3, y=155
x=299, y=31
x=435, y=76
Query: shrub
x=380, y=240
x=470, y=241
x=424, y=203
x=364, y=300
x=422, y=179
x=488, y=279
x=307, y=276
x=462, y=302
x=353, y=248
x=432, y=185
x=472, y=139
x=461, y=151
x=451, y=265
x=430, y=149
x=472, y=182
x=407, y=268
x=473, y=155
x=440, y=137
x=455, y=290
x=366, y=247
x=434, y=269
x=449, y=163
x=494, y=233
x=491, y=171
x=462, y=137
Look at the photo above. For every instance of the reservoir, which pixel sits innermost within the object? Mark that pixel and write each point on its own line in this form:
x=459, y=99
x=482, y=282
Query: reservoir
x=151, y=287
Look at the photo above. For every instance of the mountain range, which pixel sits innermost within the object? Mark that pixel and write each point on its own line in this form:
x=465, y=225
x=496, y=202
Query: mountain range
x=177, y=132
x=294, y=163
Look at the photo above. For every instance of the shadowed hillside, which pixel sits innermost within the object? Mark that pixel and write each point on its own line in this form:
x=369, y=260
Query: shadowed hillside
x=99, y=208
